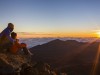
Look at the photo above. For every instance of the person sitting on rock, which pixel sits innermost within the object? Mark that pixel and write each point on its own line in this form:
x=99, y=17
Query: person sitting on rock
x=18, y=46
x=5, y=38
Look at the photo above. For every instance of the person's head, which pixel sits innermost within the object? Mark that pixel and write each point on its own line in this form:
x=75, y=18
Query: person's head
x=10, y=26
x=13, y=35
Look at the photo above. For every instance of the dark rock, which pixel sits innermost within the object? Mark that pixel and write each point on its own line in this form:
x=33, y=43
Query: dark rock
x=6, y=68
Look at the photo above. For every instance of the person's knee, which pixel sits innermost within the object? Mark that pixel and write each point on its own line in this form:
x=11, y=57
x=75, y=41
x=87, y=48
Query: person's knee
x=23, y=45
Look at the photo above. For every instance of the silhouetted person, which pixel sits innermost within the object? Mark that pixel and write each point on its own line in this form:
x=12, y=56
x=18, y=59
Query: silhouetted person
x=5, y=39
x=16, y=47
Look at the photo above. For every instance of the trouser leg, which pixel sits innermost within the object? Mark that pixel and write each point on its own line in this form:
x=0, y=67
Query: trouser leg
x=26, y=51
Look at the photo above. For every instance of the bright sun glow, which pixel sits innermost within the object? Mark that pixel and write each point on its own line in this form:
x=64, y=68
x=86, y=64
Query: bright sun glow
x=98, y=34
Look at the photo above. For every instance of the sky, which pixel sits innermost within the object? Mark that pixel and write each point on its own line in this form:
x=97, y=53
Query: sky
x=51, y=18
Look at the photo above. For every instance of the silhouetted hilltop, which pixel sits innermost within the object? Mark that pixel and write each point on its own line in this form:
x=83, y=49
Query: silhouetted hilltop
x=73, y=57
x=55, y=49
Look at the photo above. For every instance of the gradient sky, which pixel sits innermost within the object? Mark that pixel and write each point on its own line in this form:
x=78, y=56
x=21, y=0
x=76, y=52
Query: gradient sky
x=51, y=17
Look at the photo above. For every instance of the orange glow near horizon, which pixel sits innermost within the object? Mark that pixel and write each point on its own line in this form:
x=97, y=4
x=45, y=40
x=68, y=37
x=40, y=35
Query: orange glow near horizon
x=35, y=35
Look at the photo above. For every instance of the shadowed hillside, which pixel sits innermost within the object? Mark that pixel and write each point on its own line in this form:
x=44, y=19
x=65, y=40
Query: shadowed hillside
x=73, y=57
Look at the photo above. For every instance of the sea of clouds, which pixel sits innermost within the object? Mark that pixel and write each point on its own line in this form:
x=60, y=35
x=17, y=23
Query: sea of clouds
x=31, y=42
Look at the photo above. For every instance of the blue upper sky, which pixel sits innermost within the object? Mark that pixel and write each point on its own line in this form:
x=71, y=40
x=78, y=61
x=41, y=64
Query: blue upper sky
x=51, y=15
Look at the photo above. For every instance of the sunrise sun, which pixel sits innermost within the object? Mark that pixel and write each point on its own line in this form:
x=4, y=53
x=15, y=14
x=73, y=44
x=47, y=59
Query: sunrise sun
x=98, y=34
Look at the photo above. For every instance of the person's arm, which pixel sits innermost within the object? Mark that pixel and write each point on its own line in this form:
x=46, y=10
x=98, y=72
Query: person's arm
x=20, y=45
x=16, y=41
x=1, y=34
x=7, y=33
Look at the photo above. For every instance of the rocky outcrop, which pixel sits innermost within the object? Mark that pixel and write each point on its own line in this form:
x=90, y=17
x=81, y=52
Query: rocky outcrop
x=9, y=63
x=20, y=64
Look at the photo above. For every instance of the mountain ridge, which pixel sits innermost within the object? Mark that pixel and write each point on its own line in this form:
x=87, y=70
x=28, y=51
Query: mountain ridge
x=69, y=55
